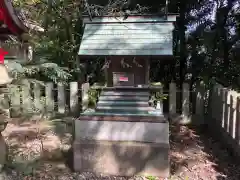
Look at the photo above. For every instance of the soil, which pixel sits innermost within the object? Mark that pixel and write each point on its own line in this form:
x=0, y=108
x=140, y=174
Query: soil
x=41, y=150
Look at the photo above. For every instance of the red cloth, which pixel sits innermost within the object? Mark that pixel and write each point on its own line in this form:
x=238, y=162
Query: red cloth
x=2, y=54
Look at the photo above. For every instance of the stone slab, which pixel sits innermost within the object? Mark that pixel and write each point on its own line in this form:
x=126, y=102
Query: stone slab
x=121, y=158
x=125, y=93
x=124, y=103
x=122, y=131
x=122, y=117
x=125, y=109
x=110, y=107
x=124, y=98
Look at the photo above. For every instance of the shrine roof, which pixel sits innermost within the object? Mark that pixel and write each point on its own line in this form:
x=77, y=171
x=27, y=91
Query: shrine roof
x=135, y=35
x=12, y=21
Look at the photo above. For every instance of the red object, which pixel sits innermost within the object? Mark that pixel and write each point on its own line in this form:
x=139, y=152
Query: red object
x=6, y=16
x=124, y=79
x=3, y=53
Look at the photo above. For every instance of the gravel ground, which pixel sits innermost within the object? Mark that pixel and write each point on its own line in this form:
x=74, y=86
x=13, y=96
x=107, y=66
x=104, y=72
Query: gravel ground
x=40, y=150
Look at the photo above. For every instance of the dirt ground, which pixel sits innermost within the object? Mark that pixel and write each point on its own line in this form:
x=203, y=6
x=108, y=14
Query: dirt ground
x=41, y=150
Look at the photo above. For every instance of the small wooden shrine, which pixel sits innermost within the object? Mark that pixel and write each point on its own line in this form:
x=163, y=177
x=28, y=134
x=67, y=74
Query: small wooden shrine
x=128, y=46
x=125, y=136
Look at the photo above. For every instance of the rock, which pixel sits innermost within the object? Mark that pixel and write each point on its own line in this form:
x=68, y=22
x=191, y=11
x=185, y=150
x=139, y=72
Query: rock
x=3, y=150
x=54, y=155
x=81, y=177
x=3, y=176
x=89, y=110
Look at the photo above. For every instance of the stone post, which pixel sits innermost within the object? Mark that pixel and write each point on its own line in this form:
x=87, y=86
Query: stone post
x=172, y=99
x=3, y=145
x=199, y=109
x=85, y=98
x=74, y=98
x=61, y=98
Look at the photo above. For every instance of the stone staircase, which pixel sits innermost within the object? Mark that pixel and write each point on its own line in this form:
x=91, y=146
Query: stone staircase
x=121, y=137
x=124, y=100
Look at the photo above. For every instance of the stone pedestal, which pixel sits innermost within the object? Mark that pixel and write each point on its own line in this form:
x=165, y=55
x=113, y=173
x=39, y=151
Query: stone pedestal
x=3, y=146
x=122, y=148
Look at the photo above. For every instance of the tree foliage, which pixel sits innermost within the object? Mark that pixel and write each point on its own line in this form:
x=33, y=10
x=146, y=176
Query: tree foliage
x=212, y=34
x=206, y=36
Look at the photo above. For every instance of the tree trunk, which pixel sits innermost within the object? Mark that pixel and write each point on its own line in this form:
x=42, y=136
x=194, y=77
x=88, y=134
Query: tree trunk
x=224, y=34
x=182, y=29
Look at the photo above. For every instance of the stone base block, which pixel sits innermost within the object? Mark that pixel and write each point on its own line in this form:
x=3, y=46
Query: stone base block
x=150, y=132
x=121, y=158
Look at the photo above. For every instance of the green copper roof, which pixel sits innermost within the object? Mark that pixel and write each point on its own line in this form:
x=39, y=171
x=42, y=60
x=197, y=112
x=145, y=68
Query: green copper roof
x=125, y=37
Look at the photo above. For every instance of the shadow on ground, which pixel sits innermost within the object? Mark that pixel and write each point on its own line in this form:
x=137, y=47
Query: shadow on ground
x=195, y=155
x=68, y=158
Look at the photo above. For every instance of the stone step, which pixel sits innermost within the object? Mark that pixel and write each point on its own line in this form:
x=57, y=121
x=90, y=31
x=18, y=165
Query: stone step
x=107, y=116
x=123, y=103
x=123, y=98
x=126, y=88
x=124, y=93
x=125, y=109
